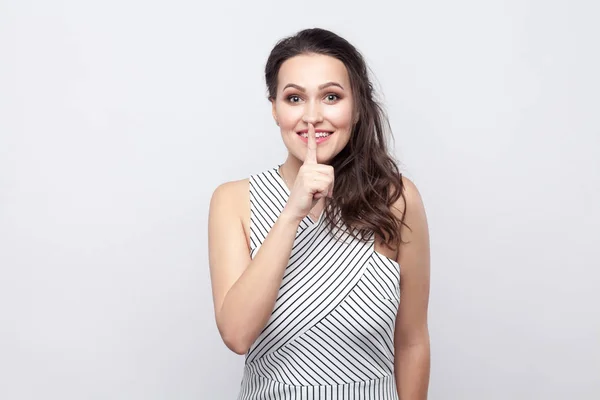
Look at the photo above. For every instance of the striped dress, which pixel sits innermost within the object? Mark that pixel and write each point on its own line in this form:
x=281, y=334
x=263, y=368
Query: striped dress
x=331, y=332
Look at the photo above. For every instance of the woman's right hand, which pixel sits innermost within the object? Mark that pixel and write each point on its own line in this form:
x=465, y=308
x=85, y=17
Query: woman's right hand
x=313, y=182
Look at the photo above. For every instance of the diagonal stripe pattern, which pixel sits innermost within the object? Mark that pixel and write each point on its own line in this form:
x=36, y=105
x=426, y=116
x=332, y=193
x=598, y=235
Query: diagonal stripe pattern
x=331, y=332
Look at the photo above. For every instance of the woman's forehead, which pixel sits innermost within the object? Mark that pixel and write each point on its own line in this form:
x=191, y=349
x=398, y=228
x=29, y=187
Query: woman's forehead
x=312, y=70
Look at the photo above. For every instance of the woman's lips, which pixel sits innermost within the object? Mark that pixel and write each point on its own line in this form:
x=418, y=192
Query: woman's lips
x=318, y=139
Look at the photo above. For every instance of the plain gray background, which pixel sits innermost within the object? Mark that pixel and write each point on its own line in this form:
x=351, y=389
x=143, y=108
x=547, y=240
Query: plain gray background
x=119, y=118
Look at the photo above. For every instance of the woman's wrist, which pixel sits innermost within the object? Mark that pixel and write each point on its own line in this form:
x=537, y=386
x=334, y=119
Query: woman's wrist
x=289, y=217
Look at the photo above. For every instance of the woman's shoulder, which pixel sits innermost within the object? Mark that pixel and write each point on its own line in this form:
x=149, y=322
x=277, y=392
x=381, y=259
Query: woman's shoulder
x=231, y=198
x=410, y=197
x=410, y=200
x=410, y=208
x=232, y=190
x=239, y=189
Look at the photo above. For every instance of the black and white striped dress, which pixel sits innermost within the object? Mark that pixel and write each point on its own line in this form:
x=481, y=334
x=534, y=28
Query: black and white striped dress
x=331, y=332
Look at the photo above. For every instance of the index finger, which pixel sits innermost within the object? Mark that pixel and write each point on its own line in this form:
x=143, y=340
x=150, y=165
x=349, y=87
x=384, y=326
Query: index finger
x=311, y=149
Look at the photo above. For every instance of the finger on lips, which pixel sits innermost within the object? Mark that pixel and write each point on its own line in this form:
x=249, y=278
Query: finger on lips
x=311, y=148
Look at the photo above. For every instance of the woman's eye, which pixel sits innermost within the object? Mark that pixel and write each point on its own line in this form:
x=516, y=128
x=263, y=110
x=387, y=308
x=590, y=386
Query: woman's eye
x=330, y=97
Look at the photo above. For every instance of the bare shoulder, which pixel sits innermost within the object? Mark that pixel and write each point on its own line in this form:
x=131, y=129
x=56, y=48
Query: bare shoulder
x=410, y=209
x=230, y=192
x=231, y=197
x=410, y=205
x=232, y=200
x=415, y=234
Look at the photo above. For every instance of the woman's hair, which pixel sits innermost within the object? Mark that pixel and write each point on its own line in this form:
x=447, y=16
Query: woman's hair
x=367, y=179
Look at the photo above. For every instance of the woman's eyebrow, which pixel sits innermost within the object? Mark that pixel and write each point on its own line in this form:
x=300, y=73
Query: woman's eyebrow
x=323, y=86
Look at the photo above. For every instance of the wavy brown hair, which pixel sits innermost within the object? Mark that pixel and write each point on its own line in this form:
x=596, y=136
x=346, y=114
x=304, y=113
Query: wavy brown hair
x=367, y=180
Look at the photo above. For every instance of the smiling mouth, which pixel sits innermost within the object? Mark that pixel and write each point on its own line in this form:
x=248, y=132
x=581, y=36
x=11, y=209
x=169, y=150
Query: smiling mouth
x=319, y=135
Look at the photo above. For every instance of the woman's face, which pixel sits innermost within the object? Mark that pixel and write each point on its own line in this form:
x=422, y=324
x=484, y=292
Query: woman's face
x=315, y=89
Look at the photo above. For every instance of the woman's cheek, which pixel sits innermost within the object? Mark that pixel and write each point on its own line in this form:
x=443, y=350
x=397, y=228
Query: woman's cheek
x=290, y=118
x=342, y=113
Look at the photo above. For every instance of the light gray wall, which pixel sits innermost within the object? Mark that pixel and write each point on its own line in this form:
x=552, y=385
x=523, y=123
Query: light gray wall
x=119, y=118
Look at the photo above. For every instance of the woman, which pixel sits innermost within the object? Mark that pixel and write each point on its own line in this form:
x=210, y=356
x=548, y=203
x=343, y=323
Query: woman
x=309, y=260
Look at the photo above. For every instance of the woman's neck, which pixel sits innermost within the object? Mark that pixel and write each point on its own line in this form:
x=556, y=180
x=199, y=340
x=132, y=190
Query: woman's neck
x=290, y=169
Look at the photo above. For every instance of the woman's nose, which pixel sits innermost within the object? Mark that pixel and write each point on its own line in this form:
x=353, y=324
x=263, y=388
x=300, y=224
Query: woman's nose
x=312, y=114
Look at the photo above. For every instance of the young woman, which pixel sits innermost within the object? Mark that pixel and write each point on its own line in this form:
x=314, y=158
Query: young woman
x=320, y=266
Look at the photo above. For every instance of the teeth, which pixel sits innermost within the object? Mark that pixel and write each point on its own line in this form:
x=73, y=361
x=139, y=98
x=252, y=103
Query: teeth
x=318, y=134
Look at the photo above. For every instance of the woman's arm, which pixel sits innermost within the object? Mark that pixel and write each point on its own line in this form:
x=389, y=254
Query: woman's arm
x=244, y=289
x=411, y=337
